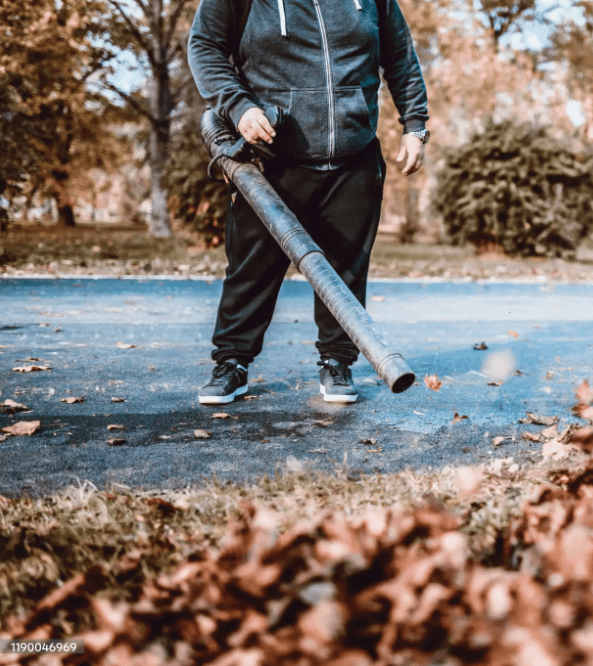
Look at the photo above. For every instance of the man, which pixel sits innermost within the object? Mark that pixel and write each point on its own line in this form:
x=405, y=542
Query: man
x=319, y=60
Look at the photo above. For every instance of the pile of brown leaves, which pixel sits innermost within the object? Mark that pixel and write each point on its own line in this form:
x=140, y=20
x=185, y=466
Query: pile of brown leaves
x=385, y=588
x=388, y=587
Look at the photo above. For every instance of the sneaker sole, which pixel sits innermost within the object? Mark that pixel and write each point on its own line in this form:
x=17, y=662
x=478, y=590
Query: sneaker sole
x=222, y=399
x=336, y=398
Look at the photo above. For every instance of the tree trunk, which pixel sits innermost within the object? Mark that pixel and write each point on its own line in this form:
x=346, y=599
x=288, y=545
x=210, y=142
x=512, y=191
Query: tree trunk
x=160, y=106
x=66, y=215
x=159, y=222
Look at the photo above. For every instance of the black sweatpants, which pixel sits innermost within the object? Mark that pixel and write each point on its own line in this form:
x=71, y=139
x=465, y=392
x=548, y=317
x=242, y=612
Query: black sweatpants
x=340, y=209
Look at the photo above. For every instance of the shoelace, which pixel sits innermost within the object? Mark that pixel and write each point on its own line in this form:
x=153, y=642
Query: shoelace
x=338, y=375
x=224, y=369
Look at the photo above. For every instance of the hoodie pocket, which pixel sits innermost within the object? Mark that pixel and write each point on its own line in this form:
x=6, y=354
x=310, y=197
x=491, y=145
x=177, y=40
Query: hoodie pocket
x=309, y=133
x=306, y=135
x=354, y=127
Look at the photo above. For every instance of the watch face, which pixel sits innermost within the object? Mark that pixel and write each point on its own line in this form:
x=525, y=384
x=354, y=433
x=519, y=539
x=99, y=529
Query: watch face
x=426, y=136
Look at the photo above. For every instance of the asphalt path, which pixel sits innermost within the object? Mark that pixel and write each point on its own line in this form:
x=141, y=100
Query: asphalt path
x=147, y=341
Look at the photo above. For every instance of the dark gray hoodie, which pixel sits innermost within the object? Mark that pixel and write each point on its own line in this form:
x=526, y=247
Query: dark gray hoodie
x=320, y=61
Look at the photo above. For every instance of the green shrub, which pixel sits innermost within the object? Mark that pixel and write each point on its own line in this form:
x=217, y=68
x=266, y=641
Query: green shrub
x=194, y=198
x=517, y=187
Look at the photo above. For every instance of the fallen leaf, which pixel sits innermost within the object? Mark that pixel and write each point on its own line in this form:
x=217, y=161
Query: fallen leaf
x=513, y=334
x=457, y=418
x=124, y=345
x=222, y=415
x=584, y=393
x=116, y=441
x=552, y=431
x=540, y=420
x=519, y=373
x=481, y=346
x=117, y=400
x=325, y=423
x=433, y=382
x=531, y=436
x=23, y=428
x=72, y=401
x=202, y=434
x=257, y=380
x=556, y=449
x=115, y=427
x=468, y=481
x=368, y=440
x=31, y=368
x=251, y=397
x=497, y=441
x=377, y=450
x=378, y=298
x=499, y=366
x=583, y=437
x=12, y=407
x=494, y=383
x=583, y=412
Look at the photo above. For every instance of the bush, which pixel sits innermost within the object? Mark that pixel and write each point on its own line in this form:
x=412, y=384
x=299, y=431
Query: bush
x=516, y=187
x=194, y=198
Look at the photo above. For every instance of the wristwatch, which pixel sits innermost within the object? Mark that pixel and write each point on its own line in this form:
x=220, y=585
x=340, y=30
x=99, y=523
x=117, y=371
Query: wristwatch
x=423, y=135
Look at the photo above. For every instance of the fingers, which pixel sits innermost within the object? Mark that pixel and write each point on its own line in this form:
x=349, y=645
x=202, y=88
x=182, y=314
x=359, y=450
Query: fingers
x=412, y=152
x=413, y=163
x=255, y=127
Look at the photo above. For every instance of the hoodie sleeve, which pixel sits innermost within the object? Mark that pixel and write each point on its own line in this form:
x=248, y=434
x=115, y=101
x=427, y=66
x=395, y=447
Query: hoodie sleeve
x=209, y=51
x=401, y=67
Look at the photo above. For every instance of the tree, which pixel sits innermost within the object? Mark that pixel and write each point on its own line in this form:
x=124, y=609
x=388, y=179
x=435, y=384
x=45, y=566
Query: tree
x=151, y=30
x=572, y=46
x=49, y=116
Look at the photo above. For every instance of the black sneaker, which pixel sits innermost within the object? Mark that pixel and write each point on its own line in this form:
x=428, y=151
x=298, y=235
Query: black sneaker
x=335, y=382
x=229, y=379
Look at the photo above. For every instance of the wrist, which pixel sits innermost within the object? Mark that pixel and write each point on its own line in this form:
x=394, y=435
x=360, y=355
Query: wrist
x=422, y=135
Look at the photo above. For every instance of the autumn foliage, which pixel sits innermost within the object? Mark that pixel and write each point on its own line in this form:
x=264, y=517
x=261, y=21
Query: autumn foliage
x=194, y=198
x=388, y=586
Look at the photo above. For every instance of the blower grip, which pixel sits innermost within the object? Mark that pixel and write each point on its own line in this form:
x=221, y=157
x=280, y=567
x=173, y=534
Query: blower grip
x=215, y=131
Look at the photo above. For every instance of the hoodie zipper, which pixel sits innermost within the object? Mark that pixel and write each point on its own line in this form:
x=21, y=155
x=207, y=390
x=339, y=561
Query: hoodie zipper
x=329, y=77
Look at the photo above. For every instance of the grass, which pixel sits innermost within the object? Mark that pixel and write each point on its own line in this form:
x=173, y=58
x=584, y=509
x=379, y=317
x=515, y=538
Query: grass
x=126, y=250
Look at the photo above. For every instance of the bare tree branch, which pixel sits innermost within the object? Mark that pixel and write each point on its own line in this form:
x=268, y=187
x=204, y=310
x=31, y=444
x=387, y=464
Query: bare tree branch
x=133, y=103
x=143, y=7
x=176, y=94
x=146, y=47
x=174, y=18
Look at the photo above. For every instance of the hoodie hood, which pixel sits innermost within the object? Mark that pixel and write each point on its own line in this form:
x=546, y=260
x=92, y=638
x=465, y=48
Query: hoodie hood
x=282, y=13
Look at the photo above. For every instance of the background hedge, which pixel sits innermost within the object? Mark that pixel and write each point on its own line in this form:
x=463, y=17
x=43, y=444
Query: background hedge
x=517, y=187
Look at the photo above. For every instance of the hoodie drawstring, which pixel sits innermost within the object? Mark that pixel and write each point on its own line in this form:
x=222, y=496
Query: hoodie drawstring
x=282, y=18
x=283, y=15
